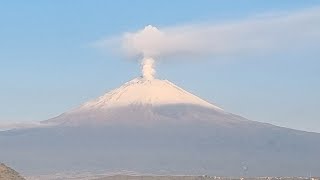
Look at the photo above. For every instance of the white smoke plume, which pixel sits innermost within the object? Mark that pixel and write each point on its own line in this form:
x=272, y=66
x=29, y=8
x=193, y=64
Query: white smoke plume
x=286, y=32
x=148, y=70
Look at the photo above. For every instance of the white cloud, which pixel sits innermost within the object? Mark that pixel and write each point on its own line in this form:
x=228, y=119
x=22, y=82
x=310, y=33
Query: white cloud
x=262, y=34
x=4, y=126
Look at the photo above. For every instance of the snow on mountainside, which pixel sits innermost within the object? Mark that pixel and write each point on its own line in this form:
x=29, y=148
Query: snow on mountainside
x=141, y=91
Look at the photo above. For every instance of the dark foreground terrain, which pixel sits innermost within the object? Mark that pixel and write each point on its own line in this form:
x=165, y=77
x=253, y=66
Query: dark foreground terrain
x=6, y=173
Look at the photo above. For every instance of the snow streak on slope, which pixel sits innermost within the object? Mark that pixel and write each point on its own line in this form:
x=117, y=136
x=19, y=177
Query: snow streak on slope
x=141, y=91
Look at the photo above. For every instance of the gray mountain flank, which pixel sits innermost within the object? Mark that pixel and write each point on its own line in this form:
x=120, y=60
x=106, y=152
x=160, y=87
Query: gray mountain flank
x=227, y=145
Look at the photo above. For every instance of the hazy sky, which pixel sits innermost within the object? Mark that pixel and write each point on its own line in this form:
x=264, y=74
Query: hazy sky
x=48, y=64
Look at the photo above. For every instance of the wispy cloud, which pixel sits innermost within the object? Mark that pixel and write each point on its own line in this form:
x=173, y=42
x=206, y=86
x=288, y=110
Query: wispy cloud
x=260, y=34
x=4, y=126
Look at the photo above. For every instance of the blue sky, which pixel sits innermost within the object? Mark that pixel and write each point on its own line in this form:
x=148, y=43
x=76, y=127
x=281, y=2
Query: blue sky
x=48, y=65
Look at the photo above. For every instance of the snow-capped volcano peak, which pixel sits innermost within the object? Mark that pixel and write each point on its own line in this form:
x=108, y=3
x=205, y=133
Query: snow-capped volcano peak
x=142, y=91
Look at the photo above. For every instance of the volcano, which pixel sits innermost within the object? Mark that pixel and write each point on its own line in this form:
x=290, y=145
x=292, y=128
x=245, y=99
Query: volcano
x=143, y=102
x=153, y=126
